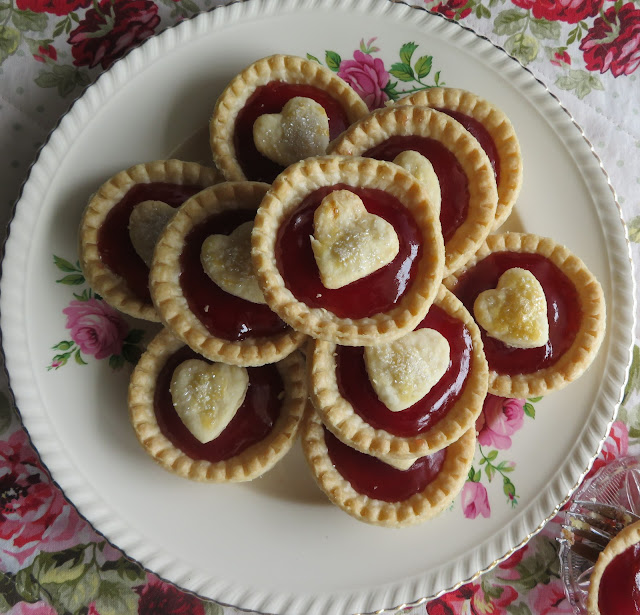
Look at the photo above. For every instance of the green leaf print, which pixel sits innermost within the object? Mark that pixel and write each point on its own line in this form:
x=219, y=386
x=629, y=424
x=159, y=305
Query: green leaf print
x=9, y=41
x=310, y=57
x=29, y=21
x=510, y=22
x=73, y=279
x=75, y=594
x=542, y=28
x=633, y=383
x=580, y=82
x=523, y=47
x=538, y=567
x=529, y=410
x=401, y=71
x=333, y=60
x=116, y=599
x=65, y=78
x=518, y=609
x=6, y=418
x=65, y=265
x=406, y=52
x=634, y=229
x=423, y=66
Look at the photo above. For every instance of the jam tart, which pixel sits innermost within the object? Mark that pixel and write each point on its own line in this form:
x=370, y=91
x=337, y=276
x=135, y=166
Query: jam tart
x=256, y=130
x=493, y=130
x=109, y=259
x=202, y=281
x=495, y=288
x=374, y=492
x=467, y=184
x=260, y=432
x=388, y=401
x=325, y=218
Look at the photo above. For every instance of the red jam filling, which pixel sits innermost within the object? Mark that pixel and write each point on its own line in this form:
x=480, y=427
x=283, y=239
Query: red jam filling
x=564, y=312
x=454, y=185
x=481, y=134
x=224, y=315
x=379, y=291
x=271, y=98
x=114, y=245
x=378, y=480
x=619, y=592
x=253, y=421
x=354, y=384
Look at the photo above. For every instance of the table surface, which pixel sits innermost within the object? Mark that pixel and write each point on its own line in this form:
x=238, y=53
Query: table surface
x=51, y=560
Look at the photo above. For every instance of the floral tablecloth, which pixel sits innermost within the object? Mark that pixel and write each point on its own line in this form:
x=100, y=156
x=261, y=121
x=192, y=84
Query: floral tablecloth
x=586, y=51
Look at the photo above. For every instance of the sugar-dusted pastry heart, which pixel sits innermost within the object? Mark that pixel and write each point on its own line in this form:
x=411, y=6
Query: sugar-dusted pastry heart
x=404, y=371
x=299, y=131
x=206, y=396
x=227, y=261
x=349, y=243
x=515, y=312
x=146, y=223
x=421, y=168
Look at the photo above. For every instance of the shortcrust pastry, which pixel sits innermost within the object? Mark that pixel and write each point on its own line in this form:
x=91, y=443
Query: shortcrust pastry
x=381, y=305
x=372, y=491
x=341, y=389
x=109, y=260
x=219, y=317
x=259, y=93
x=575, y=313
x=259, y=435
x=493, y=130
x=467, y=183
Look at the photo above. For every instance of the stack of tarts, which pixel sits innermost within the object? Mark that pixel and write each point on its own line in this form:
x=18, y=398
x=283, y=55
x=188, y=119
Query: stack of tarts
x=337, y=277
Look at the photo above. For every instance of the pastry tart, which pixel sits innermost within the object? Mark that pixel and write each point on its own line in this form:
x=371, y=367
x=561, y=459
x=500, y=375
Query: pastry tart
x=202, y=281
x=329, y=219
x=393, y=401
x=518, y=285
x=258, y=435
x=467, y=183
x=614, y=585
x=251, y=110
x=372, y=491
x=493, y=130
x=110, y=262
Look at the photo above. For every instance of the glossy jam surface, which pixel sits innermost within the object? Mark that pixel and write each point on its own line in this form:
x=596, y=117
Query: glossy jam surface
x=564, y=312
x=253, y=421
x=115, y=247
x=224, y=315
x=355, y=386
x=454, y=186
x=271, y=98
x=376, y=479
x=481, y=134
x=379, y=291
x=620, y=584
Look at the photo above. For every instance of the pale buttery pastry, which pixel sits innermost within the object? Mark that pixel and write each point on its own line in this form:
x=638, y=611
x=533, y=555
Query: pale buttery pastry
x=614, y=585
x=120, y=225
x=211, y=421
x=277, y=111
x=467, y=184
x=493, y=130
x=203, y=285
x=535, y=342
x=372, y=491
x=407, y=398
x=348, y=249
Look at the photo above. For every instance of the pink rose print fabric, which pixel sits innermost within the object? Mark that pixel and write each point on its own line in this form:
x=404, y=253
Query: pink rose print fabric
x=56, y=7
x=499, y=420
x=570, y=11
x=367, y=76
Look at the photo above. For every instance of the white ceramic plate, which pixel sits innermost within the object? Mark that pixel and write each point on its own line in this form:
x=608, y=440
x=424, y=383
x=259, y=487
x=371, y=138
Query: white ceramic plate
x=277, y=545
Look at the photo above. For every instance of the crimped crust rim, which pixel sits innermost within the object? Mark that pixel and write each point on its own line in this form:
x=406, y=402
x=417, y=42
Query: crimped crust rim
x=282, y=199
x=349, y=427
x=585, y=346
x=420, y=507
x=167, y=295
x=250, y=463
x=378, y=126
x=110, y=286
x=291, y=69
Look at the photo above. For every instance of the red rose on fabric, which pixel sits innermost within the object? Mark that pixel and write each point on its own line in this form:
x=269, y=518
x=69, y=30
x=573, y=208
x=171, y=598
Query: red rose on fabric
x=561, y=59
x=616, y=445
x=571, y=11
x=453, y=8
x=158, y=597
x=48, y=51
x=108, y=32
x=613, y=42
x=56, y=7
x=471, y=598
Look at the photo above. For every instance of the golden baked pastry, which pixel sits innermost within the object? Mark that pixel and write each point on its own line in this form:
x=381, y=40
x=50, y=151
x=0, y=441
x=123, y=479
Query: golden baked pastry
x=260, y=433
x=202, y=282
x=325, y=218
x=108, y=258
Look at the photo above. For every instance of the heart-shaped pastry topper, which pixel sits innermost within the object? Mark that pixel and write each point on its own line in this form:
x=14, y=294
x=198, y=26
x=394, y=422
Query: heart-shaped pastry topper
x=146, y=223
x=206, y=396
x=421, y=168
x=299, y=131
x=404, y=371
x=349, y=243
x=226, y=259
x=515, y=312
